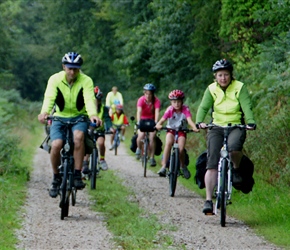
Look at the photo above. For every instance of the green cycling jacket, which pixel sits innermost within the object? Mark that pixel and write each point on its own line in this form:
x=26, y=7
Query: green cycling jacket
x=228, y=106
x=71, y=101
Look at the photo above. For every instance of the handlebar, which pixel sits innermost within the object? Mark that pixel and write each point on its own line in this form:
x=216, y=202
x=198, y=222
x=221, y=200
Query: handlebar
x=186, y=130
x=246, y=127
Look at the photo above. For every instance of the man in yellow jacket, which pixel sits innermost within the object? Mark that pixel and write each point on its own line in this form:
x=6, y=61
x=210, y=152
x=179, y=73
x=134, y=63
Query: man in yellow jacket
x=73, y=94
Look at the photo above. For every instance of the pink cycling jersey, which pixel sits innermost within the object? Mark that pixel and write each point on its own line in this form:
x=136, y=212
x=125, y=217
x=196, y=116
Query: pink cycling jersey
x=147, y=107
x=175, y=119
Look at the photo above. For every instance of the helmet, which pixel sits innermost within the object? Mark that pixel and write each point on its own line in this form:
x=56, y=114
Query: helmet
x=149, y=86
x=119, y=106
x=222, y=64
x=176, y=95
x=72, y=60
x=98, y=93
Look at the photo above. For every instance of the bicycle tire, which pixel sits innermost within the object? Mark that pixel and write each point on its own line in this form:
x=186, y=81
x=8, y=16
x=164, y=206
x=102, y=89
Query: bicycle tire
x=116, y=142
x=73, y=196
x=93, y=168
x=223, y=191
x=145, y=159
x=173, y=171
x=63, y=191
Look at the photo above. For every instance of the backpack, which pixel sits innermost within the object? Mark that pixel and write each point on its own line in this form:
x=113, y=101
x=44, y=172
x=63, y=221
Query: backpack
x=158, y=147
x=246, y=171
x=200, y=166
x=133, y=145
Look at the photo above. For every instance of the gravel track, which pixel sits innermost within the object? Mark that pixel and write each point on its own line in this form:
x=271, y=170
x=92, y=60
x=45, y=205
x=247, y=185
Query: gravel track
x=85, y=229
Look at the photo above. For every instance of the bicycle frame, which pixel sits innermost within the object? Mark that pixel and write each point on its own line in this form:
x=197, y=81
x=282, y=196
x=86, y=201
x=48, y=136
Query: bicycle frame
x=66, y=168
x=224, y=179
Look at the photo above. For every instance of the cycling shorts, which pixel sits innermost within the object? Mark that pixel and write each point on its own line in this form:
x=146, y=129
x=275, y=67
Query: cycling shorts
x=180, y=133
x=57, y=129
x=215, y=138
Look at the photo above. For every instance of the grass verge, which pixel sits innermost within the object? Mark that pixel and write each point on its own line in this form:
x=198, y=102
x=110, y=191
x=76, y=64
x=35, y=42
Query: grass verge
x=132, y=227
x=13, y=188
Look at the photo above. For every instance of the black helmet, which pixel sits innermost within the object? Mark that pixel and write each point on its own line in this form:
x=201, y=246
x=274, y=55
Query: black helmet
x=222, y=64
x=72, y=60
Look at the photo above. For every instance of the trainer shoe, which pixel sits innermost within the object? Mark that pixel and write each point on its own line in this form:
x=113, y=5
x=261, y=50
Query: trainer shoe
x=162, y=172
x=123, y=138
x=112, y=147
x=138, y=154
x=208, y=207
x=104, y=165
x=186, y=173
x=78, y=182
x=152, y=162
x=54, y=188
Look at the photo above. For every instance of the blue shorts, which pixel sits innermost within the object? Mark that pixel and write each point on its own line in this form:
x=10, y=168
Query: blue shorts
x=57, y=129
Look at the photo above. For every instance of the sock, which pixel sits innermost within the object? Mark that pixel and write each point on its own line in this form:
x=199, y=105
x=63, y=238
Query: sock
x=102, y=158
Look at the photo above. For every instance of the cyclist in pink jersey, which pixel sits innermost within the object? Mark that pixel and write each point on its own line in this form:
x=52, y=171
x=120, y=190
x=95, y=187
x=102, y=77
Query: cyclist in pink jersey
x=177, y=116
x=148, y=108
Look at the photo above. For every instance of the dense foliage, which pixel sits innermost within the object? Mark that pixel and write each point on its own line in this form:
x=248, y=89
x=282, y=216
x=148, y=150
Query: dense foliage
x=170, y=43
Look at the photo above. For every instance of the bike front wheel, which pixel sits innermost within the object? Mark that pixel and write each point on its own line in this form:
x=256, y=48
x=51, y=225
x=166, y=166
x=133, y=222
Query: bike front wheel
x=64, y=201
x=145, y=157
x=93, y=168
x=173, y=171
x=223, y=192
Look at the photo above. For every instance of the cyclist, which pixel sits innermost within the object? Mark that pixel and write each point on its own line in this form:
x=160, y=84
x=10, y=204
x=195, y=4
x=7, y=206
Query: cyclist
x=72, y=93
x=229, y=100
x=114, y=98
x=148, y=107
x=119, y=118
x=103, y=114
x=178, y=116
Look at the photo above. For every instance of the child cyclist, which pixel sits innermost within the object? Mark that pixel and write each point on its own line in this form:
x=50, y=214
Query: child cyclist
x=119, y=118
x=178, y=116
x=103, y=114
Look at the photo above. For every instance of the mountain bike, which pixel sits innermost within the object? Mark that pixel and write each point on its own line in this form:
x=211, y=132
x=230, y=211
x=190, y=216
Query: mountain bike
x=174, y=163
x=66, y=169
x=223, y=190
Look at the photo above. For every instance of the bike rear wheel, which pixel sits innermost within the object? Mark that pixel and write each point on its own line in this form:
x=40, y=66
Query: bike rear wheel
x=145, y=157
x=173, y=171
x=223, y=192
x=93, y=168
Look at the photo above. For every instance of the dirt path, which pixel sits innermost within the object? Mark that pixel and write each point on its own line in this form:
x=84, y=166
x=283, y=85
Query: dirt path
x=84, y=229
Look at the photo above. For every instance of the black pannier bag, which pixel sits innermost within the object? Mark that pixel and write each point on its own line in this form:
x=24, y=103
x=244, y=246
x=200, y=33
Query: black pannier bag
x=158, y=145
x=133, y=145
x=246, y=171
x=200, y=166
x=147, y=125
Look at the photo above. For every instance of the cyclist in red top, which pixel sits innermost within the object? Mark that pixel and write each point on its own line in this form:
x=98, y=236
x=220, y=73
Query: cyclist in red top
x=148, y=107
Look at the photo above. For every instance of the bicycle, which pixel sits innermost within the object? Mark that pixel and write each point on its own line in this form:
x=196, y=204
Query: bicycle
x=174, y=163
x=117, y=137
x=94, y=164
x=66, y=169
x=223, y=190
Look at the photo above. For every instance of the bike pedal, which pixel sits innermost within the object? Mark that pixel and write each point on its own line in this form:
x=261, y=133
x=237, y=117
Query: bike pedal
x=209, y=213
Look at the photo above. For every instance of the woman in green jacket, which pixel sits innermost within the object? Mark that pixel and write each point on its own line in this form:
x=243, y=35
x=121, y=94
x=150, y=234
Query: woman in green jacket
x=230, y=103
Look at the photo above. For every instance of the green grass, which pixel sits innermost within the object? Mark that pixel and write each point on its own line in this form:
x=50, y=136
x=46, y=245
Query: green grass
x=132, y=227
x=13, y=188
